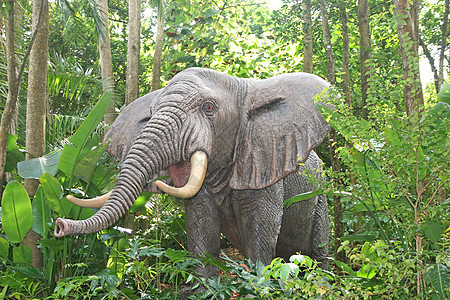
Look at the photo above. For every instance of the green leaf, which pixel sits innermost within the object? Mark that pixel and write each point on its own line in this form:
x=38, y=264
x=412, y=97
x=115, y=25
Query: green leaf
x=366, y=206
x=13, y=154
x=202, y=52
x=439, y=277
x=422, y=164
x=141, y=201
x=69, y=158
x=53, y=245
x=30, y=272
x=301, y=197
x=35, y=167
x=186, y=59
x=22, y=255
x=284, y=272
x=17, y=215
x=294, y=269
x=433, y=230
x=367, y=271
x=53, y=192
x=358, y=237
x=344, y=267
x=444, y=94
x=260, y=267
x=86, y=166
x=302, y=260
x=4, y=248
x=333, y=117
x=72, y=151
x=210, y=12
x=41, y=213
x=79, y=213
x=446, y=202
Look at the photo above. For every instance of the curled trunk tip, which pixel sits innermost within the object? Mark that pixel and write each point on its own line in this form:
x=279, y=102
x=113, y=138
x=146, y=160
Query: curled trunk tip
x=61, y=228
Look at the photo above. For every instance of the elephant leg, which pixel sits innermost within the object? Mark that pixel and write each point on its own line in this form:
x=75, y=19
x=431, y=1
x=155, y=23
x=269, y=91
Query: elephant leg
x=203, y=229
x=296, y=230
x=259, y=220
x=320, y=232
x=305, y=225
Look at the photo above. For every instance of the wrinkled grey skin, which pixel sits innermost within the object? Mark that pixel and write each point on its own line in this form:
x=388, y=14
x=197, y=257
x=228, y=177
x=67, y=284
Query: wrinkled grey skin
x=255, y=134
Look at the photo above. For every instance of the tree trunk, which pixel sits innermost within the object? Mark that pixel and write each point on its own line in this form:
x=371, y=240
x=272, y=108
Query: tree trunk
x=134, y=47
x=365, y=53
x=36, y=93
x=443, y=46
x=347, y=95
x=18, y=28
x=307, y=37
x=157, y=58
x=104, y=48
x=14, y=78
x=335, y=163
x=338, y=210
x=37, y=108
x=328, y=46
x=345, y=55
x=413, y=95
x=13, y=92
x=430, y=58
x=415, y=15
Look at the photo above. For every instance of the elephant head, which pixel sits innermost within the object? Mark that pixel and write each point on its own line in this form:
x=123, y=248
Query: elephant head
x=237, y=134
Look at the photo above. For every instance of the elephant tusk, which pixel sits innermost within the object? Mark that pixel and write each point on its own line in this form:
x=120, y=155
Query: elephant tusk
x=199, y=162
x=96, y=202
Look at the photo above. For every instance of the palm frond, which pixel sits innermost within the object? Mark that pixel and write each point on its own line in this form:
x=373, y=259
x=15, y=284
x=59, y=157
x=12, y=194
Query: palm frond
x=61, y=127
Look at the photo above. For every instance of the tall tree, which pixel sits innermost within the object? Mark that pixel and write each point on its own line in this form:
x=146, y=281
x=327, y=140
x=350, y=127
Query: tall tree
x=331, y=73
x=443, y=45
x=335, y=163
x=307, y=37
x=365, y=53
x=437, y=70
x=134, y=48
x=104, y=46
x=37, y=107
x=157, y=58
x=36, y=92
x=430, y=58
x=345, y=54
x=13, y=89
x=14, y=78
x=413, y=95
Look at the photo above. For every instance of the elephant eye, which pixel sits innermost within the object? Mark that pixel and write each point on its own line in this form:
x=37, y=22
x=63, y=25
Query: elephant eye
x=209, y=108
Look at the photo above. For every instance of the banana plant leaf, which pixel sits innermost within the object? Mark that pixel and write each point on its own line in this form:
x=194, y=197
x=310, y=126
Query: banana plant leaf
x=17, y=214
x=41, y=213
x=35, y=167
x=13, y=154
x=72, y=151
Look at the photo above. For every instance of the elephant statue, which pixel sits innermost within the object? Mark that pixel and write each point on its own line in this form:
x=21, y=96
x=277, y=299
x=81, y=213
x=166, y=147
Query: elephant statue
x=234, y=150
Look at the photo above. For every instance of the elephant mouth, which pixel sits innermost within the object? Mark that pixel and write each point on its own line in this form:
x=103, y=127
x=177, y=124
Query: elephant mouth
x=179, y=173
x=194, y=171
x=187, y=177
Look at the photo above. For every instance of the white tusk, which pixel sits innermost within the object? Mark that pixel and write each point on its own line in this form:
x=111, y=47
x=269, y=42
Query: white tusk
x=96, y=202
x=199, y=162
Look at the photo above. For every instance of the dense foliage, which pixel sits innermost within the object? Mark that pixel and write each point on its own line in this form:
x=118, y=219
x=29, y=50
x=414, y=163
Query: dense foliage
x=394, y=169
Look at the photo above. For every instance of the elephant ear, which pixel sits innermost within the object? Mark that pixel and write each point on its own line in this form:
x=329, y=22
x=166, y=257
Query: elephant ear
x=128, y=124
x=279, y=127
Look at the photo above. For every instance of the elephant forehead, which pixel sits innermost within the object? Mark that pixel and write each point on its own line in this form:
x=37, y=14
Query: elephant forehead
x=183, y=100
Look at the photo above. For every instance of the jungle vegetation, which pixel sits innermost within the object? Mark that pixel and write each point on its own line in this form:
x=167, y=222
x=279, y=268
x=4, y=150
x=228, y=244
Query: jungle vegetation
x=68, y=67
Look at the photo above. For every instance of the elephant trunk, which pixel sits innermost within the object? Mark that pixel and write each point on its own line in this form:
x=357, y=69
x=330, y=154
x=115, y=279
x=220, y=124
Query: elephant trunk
x=144, y=159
